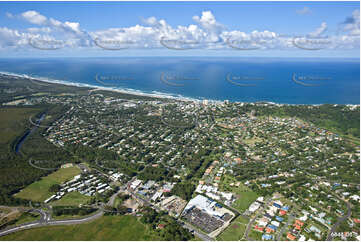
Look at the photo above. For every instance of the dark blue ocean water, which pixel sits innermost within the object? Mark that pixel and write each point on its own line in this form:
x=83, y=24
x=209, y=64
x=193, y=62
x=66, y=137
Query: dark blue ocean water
x=280, y=80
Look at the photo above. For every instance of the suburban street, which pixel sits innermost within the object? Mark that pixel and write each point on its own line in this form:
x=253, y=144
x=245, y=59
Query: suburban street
x=249, y=226
x=290, y=219
x=339, y=221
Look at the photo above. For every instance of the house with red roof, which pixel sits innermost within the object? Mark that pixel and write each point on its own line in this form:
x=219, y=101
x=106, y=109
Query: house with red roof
x=282, y=212
x=291, y=236
x=259, y=228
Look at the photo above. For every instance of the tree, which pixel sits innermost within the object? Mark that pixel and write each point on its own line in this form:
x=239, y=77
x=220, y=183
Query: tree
x=54, y=188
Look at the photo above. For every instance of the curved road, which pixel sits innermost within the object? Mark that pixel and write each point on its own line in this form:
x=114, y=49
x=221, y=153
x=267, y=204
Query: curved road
x=339, y=221
x=251, y=222
x=46, y=220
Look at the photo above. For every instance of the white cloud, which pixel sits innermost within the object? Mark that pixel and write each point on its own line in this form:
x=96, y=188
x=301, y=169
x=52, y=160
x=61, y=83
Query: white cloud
x=56, y=25
x=205, y=33
x=209, y=23
x=319, y=31
x=304, y=11
x=9, y=15
x=40, y=30
x=34, y=17
x=352, y=24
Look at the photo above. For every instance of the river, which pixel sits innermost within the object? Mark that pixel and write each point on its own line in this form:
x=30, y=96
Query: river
x=21, y=141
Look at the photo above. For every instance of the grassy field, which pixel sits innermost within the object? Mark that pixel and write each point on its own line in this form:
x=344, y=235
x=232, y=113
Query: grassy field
x=245, y=196
x=17, y=218
x=70, y=216
x=39, y=190
x=26, y=217
x=104, y=228
x=71, y=199
x=255, y=235
x=234, y=231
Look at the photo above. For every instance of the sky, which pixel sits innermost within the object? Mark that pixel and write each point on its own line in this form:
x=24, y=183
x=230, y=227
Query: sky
x=274, y=29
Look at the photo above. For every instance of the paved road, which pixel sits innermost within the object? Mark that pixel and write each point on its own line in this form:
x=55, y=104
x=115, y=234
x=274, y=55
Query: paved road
x=112, y=198
x=339, y=221
x=290, y=219
x=46, y=220
x=143, y=200
x=249, y=226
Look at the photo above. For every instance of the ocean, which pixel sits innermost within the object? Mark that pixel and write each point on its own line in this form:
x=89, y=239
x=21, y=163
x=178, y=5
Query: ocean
x=278, y=80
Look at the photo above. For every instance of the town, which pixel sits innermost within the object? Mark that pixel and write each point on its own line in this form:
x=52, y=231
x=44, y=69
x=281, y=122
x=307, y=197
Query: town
x=221, y=170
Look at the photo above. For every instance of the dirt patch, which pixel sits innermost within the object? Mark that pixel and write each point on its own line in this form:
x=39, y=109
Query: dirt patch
x=131, y=203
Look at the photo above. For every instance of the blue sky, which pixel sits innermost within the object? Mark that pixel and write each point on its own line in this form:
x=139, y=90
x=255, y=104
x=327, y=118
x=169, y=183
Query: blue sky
x=139, y=27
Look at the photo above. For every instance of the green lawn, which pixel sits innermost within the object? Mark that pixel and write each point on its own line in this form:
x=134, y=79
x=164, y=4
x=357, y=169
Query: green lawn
x=71, y=199
x=104, y=228
x=234, y=231
x=117, y=202
x=255, y=235
x=39, y=190
x=26, y=217
x=69, y=216
x=195, y=238
x=245, y=196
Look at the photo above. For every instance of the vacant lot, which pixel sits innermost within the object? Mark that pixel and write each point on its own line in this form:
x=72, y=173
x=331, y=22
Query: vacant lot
x=234, y=231
x=39, y=190
x=104, y=228
x=245, y=196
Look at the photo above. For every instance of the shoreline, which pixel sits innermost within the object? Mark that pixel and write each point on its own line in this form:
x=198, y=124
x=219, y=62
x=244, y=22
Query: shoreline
x=156, y=94
x=93, y=88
